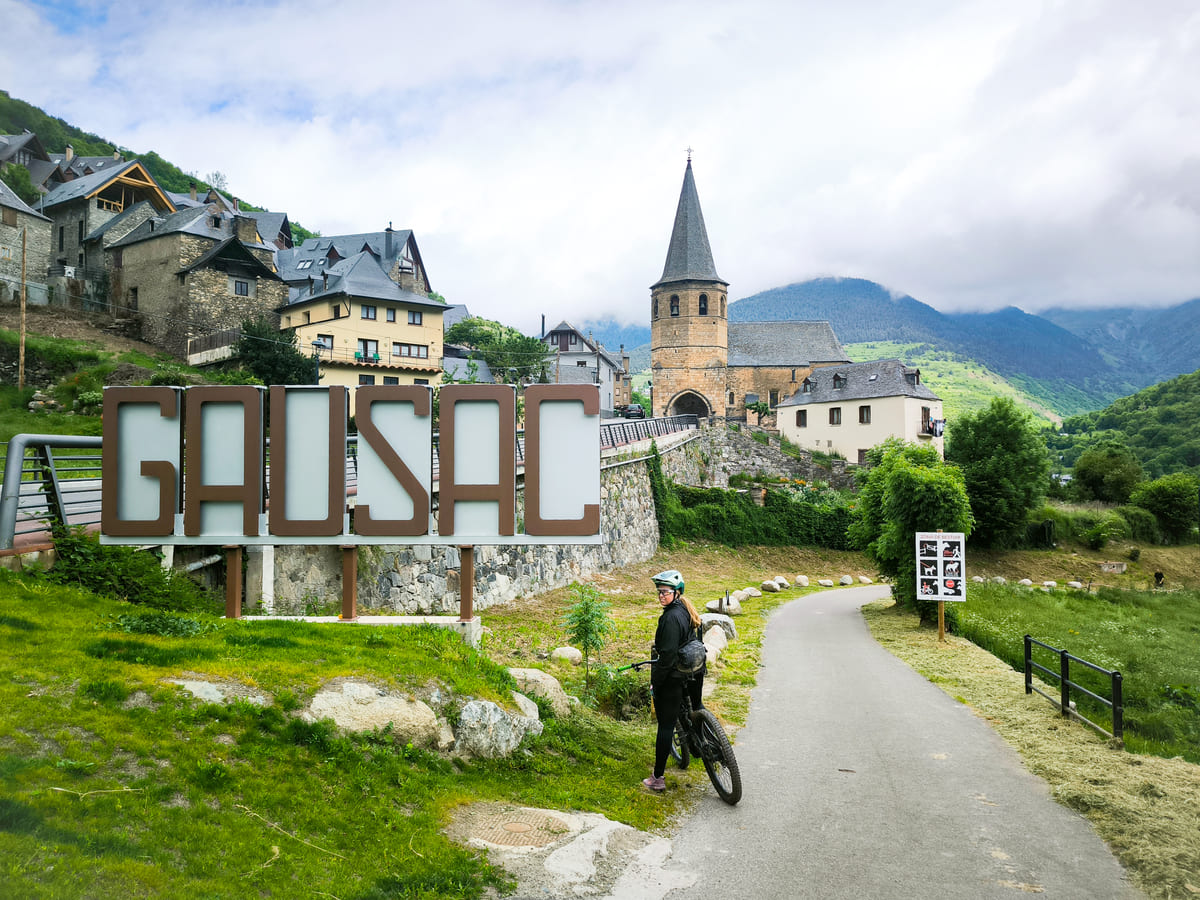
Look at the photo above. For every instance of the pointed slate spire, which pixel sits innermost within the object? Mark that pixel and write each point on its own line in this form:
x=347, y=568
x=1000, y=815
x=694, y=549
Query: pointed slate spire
x=689, y=258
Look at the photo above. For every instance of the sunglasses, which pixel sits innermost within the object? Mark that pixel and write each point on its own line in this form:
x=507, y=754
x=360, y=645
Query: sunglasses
x=662, y=591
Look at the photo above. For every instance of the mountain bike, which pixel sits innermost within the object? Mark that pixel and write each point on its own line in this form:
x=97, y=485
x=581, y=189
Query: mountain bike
x=698, y=733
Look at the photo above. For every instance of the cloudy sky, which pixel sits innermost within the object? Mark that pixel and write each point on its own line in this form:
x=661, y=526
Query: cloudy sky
x=972, y=154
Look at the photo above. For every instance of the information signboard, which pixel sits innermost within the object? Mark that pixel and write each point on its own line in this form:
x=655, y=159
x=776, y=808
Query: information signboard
x=941, y=565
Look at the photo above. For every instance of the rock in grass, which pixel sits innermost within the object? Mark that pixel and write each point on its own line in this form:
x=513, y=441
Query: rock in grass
x=487, y=731
x=542, y=684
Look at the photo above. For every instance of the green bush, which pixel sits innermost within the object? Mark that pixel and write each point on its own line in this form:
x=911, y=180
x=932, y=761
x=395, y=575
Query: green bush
x=1142, y=524
x=136, y=576
x=618, y=694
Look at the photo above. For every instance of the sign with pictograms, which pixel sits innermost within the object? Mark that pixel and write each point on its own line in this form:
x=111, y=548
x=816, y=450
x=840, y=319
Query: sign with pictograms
x=941, y=565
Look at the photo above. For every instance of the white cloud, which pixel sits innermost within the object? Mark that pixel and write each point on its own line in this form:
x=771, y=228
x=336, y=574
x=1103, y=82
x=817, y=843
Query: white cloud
x=973, y=155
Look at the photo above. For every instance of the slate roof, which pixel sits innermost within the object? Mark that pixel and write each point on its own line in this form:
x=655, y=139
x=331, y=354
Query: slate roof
x=588, y=346
x=455, y=360
x=864, y=381
x=232, y=248
x=689, y=257
x=270, y=224
x=10, y=199
x=783, y=344
x=360, y=276
x=345, y=245
x=455, y=313
x=195, y=220
x=84, y=185
x=100, y=230
x=11, y=143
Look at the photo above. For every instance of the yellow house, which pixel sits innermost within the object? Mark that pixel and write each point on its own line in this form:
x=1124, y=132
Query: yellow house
x=364, y=328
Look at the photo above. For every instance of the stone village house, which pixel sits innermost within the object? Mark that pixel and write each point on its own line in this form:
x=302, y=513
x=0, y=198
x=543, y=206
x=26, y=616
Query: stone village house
x=580, y=360
x=22, y=226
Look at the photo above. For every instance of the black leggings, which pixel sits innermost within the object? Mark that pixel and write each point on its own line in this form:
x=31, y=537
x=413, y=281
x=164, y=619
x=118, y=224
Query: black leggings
x=668, y=698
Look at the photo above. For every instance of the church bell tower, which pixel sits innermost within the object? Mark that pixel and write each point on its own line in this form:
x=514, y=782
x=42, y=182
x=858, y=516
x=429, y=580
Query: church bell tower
x=689, y=326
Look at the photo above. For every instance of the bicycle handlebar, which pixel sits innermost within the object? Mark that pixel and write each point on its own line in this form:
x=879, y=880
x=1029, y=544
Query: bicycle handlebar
x=637, y=666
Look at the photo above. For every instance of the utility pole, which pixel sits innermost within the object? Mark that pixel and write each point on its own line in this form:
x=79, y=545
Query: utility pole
x=24, y=291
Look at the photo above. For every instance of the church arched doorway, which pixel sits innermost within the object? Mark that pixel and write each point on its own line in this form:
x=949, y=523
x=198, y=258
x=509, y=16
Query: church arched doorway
x=689, y=403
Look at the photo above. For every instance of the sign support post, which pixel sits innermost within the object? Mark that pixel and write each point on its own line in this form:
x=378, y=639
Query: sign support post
x=466, y=583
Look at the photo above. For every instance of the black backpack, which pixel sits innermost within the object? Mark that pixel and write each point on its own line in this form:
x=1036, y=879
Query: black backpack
x=692, y=655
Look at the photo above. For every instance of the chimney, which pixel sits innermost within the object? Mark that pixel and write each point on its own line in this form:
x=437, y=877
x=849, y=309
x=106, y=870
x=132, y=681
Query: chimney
x=192, y=191
x=236, y=206
x=324, y=281
x=70, y=155
x=246, y=229
x=117, y=155
x=387, y=242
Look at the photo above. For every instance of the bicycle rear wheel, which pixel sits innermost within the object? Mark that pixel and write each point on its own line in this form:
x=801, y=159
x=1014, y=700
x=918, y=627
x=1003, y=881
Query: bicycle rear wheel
x=718, y=757
x=679, y=747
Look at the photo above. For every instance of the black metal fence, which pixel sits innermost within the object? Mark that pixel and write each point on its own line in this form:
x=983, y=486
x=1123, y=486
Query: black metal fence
x=1115, y=704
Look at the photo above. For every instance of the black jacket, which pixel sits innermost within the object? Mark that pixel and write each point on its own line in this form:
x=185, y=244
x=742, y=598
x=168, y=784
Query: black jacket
x=674, y=630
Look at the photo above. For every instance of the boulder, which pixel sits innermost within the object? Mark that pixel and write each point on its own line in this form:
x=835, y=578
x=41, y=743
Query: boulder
x=1050, y=584
x=846, y=579
x=978, y=579
x=825, y=582
x=863, y=579
x=714, y=639
x=732, y=607
x=752, y=592
x=707, y=620
x=782, y=582
x=802, y=581
x=570, y=654
x=739, y=596
x=537, y=683
x=999, y=579
x=1075, y=584
x=487, y=731
x=770, y=587
x=527, y=707
x=356, y=706
x=1025, y=582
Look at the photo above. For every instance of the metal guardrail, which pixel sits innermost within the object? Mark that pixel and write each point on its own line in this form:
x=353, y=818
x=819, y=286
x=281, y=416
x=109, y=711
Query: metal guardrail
x=42, y=491
x=1067, y=708
x=36, y=495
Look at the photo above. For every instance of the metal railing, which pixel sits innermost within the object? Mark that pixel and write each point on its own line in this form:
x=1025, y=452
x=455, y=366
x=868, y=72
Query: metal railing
x=1067, y=708
x=37, y=496
x=43, y=491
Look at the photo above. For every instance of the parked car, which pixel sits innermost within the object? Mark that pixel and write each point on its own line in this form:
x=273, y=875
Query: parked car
x=634, y=411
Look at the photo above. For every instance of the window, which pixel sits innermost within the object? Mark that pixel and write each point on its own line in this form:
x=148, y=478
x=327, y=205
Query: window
x=391, y=379
x=62, y=237
x=118, y=258
x=366, y=379
x=655, y=299
x=133, y=300
x=241, y=288
x=839, y=381
x=773, y=399
x=704, y=304
x=732, y=399
x=415, y=317
x=325, y=340
x=5, y=253
x=337, y=311
x=574, y=338
x=80, y=241
x=304, y=264
x=835, y=415
x=391, y=314
x=216, y=221
x=367, y=350
x=806, y=387
x=368, y=312
x=417, y=351
x=722, y=304
x=862, y=457
x=10, y=216
x=582, y=364
x=793, y=376
x=864, y=415
x=420, y=381
x=802, y=418
x=926, y=424
x=674, y=305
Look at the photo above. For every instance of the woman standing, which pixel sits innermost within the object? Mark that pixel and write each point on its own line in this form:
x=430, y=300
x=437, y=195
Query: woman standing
x=677, y=624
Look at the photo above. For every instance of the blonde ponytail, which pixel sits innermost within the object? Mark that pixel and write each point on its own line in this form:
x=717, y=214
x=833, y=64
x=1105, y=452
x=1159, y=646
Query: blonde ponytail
x=691, y=611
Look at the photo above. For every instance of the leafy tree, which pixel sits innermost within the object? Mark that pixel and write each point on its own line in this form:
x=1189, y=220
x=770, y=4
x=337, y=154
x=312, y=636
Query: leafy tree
x=1108, y=472
x=17, y=178
x=272, y=355
x=1174, y=502
x=907, y=488
x=587, y=623
x=762, y=407
x=1002, y=455
x=512, y=356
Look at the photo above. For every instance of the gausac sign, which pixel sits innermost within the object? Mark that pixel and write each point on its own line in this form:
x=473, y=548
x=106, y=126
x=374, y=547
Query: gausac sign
x=192, y=466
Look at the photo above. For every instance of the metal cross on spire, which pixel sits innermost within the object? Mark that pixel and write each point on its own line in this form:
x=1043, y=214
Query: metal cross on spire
x=689, y=154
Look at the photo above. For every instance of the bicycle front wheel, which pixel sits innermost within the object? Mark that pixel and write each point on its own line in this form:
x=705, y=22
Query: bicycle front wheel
x=719, y=760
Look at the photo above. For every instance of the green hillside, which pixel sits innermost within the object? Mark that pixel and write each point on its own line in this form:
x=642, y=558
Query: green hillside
x=964, y=385
x=1160, y=424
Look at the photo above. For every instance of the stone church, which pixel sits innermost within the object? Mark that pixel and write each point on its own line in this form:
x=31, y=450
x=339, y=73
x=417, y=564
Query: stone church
x=700, y=362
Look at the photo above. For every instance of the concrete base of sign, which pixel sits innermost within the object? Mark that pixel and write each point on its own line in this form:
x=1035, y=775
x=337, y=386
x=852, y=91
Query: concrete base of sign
x=471, y=630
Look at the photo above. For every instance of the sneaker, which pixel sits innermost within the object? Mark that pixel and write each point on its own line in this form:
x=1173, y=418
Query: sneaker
x=655, y=784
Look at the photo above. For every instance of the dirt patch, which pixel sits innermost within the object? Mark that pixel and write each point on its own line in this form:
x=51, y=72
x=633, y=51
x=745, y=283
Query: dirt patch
x=1147, y=809
x=97, y=329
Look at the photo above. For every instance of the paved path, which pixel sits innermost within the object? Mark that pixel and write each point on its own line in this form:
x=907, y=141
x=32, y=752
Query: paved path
x=863, y=780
